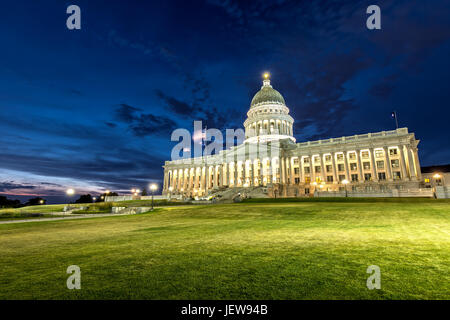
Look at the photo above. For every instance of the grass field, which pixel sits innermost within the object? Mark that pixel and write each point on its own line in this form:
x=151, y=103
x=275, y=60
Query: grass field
x=254, y=250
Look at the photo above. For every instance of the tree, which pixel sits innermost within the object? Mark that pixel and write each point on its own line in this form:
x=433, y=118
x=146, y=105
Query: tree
x=35, y=201
x=144, y=192
x=7, y=203
x=85, y=198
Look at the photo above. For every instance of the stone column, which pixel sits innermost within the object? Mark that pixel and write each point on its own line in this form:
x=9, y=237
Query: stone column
x=333, y=165
x=373, y=165
x=403, y=163
x=301, y=175
x=360, y=169
x=417, y=163
x=235, y=173
x=412, y=169
x=252, y=172
x=312, y=168
x=283, y=170
x=291, y=164
x=215, y=177
x=201, y=178
x=165, y=180
x=388, y=164
x=322, y=168
x=347, y=171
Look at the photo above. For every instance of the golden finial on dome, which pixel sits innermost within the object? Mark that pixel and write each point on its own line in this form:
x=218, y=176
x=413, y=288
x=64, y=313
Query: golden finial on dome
x=266, y=75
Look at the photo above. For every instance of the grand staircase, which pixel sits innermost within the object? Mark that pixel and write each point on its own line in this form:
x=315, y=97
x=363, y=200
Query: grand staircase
x=226, y=194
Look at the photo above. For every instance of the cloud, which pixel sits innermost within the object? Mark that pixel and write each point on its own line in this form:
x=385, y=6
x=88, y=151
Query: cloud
x=177, y=106
x=126, y=113
x=8, y=186
x=144, y=124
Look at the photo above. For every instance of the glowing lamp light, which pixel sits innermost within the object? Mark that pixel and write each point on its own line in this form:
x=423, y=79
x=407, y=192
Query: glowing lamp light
x=107, y=191
x=437, y=176
x=170, y=188
x=345, y=181
x=153, y=187
x=41, y=201
x=133, y=190
x=314, y=183
x=266, y=75
x=70, y=192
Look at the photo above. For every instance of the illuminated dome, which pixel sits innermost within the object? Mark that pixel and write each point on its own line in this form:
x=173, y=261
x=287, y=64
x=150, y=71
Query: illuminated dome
x=268, y=118
x=267, y=95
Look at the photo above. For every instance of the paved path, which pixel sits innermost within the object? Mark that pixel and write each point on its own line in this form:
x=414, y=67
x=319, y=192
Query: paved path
x=68, y=217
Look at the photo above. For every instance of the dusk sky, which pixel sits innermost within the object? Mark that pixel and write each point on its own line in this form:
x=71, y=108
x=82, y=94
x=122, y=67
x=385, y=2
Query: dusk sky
x=94, y=109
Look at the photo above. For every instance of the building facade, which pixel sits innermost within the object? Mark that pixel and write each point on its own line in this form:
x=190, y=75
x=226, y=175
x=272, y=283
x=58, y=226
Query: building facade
x=270, y=158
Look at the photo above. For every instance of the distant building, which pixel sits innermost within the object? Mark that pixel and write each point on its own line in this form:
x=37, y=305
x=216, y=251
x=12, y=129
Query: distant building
x=380, y=162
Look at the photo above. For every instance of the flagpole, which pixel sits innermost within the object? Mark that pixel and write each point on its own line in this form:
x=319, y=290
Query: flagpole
x=396, y=120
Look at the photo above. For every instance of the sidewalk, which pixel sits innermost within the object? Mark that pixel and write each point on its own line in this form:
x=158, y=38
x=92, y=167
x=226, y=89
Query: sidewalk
x=69, y=217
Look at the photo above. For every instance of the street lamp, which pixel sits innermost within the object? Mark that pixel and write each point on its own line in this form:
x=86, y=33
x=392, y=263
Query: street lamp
x=70, y=192
x=153, y=188
x=345, y=182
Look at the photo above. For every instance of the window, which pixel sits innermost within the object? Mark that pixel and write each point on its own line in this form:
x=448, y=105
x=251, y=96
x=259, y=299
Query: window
x=365, y=154
x=307, y=170
x=367, y=177
x=317, y=169
x=366, y=165
x=397, y=175
x=328, y=158
x=341, y=177
x=297, y=180
x=307, y=179
x=316, y=159
x=381, y=176
x=379, y=153
x=380, y=164
x=354, y=178
x=393, y=152
x=306, y=190
x=427, y=180
x=352, y=156
x=306, y=160
x=340, y=167
x=340, y=157
x=329, y=178
x=329, y=168
x=395, y=163
x=296, y=170
x=353, y=166
x=296, y=161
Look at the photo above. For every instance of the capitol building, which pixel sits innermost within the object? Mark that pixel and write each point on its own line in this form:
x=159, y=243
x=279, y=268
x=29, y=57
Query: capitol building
x=384, y=163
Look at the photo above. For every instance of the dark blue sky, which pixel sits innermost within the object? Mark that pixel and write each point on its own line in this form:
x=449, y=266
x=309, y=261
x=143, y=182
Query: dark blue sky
x=94, y=108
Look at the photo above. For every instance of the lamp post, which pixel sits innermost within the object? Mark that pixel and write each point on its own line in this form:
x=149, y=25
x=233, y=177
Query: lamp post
x=153, y=187
x=345, y=182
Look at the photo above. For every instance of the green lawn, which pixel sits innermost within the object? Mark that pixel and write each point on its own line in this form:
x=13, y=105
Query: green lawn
x=253, y=250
